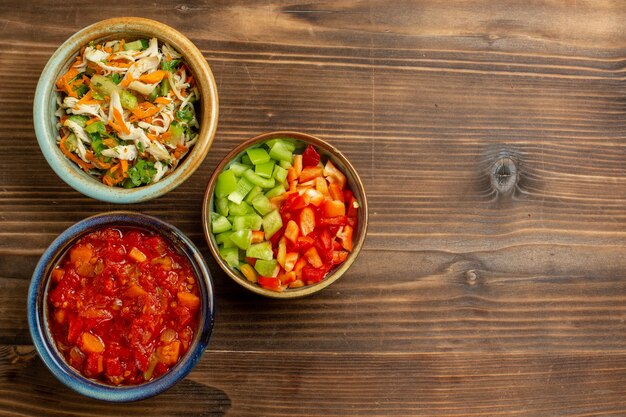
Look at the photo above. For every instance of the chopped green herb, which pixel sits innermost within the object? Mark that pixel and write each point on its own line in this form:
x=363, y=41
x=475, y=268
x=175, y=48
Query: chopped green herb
x=142, y=172
x=170, y=65
x=117, y=78
x=96, y=143
x=185, y=115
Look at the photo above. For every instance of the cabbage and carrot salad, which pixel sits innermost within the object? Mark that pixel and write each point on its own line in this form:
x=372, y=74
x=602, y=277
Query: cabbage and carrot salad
x=127, y=111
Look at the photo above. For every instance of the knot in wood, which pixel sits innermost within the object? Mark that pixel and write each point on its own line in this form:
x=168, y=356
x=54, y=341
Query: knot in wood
x=504, y=175
x=472, y=276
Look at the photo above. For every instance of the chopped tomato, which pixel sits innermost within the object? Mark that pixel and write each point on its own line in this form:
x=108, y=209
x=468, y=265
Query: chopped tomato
x=189, y=300
x=138, y=286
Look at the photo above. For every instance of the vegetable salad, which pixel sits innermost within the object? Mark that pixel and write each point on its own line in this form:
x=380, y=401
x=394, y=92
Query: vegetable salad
x=283, y=219
x=126, y=111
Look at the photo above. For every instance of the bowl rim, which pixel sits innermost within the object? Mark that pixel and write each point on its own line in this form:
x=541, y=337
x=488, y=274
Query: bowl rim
x=44, y=104
x=38, y=290
x=363, y=214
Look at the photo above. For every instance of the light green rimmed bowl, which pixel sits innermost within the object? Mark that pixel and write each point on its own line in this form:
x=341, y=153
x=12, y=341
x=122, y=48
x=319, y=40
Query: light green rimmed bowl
x=326, y=151
x=44, y=108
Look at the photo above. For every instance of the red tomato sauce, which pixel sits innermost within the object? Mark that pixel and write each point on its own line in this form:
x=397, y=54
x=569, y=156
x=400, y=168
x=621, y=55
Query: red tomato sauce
x=123, y=306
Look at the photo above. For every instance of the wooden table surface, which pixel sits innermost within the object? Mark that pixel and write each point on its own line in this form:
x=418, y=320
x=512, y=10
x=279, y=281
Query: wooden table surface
x=491, y=139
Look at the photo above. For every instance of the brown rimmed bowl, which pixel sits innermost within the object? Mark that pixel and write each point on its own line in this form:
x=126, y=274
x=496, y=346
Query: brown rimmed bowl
x=326, y=151
x=45, y=106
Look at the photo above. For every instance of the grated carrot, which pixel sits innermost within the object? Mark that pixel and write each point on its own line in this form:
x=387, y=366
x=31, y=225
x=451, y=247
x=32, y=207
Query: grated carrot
x=145, y=109
x=92, y=120
x=87, y=99
x=110, y=142
x=84, y=165
x=119, y=119
x=162, y=100
x=180, y=151
x=124, y=168
x=127, y=80
x=153, y=77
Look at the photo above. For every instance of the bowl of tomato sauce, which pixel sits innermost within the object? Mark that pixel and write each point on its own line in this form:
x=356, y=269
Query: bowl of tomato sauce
x=285, y=214
x=121, y=306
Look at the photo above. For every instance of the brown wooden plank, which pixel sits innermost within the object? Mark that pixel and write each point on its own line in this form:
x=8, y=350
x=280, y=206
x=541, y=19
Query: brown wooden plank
x=464, y=302
x=249, y=383
x=527, y=298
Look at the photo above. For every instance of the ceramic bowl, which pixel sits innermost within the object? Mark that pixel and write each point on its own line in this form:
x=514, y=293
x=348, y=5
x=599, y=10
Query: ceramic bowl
x=38, y=312
x=326, y=151
x=45, y=106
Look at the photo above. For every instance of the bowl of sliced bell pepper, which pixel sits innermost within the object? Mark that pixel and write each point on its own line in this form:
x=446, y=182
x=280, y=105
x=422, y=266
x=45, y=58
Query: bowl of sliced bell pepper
x=285, y=214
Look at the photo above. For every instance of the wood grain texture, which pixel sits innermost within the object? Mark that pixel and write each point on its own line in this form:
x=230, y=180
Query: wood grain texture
x=465, y=301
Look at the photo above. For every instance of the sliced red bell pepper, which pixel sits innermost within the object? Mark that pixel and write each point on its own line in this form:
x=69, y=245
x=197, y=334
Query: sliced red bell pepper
x=310, y=173
x=269, y=283
x=281, y=253
x=312, y=275
x=294, y=202
x=352, y=207
x=333, y=208
x=287, y=278
x=310, y=157
x=300, y=264
x=324, y=245
x=307, y=220
x=334, y=221
x=304, y=243
x=345, y=236
x=297, y=164
x=258, y=236
x=336, y=193
x=290, y=261
x=347, y=195
x=313, y=257
x=292, y=231
x=292, y=175
x=333, y=175
x=276, y=236
x=334, y=230
x=339, y=257
x=322, y=186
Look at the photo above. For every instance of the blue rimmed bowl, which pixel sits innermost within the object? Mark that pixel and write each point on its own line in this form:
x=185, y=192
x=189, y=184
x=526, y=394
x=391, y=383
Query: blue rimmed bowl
x=44, y=108
x=38, y=312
